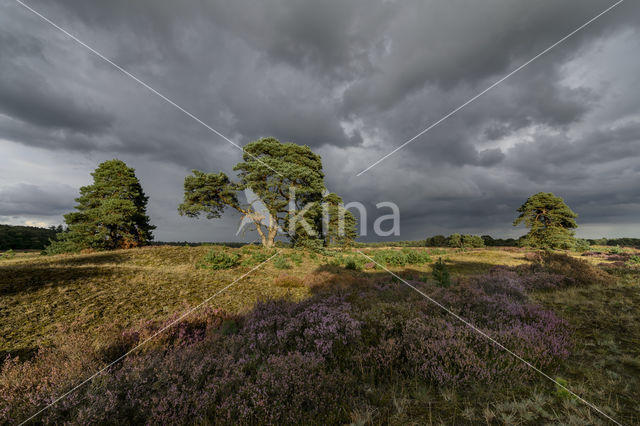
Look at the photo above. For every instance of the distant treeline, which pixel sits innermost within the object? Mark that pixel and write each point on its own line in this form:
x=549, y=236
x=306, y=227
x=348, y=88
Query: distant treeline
x=192, y=244
x=623, y=242
x=26, y=237
x=458, y=240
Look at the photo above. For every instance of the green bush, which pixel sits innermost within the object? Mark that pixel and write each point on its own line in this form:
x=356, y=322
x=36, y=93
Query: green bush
x=416, y=257
x=441, y=274
x=257, y=257
x=280, y=262
x=582, y=245
x=355, y=263
x=9, y=254
x=217, y=260
x=390, y=258
x=634, y=260
x=455, y=240
x=296, y=258
x=615, y=250
x=561, y=389
x=472, y=241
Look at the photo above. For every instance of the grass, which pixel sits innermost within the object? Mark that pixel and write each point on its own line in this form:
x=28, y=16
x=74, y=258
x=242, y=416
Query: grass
x=42, y=298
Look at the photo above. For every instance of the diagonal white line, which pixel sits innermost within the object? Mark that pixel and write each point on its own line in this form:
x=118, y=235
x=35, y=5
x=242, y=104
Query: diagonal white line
x=142, y=83
x=494, y=341
x=572, y=33
x=121, y=357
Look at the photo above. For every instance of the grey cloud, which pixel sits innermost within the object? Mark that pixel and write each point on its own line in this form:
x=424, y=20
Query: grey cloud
x=300, y=70
x=28, y=199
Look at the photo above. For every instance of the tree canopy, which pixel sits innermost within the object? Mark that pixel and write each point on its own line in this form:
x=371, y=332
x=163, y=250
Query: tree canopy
x=287, y=179
x=111, y=213
x=550, y=221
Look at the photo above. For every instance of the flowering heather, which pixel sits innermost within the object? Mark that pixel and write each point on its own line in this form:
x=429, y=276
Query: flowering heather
x=316, y=326
x=306, y=362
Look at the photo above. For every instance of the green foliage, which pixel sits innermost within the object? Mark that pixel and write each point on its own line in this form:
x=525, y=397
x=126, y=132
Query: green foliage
x=440, y=273
x=314, y=244
x=281, y=175
x=111, y=213
x=217, y=260
x=550, y=221
x=615, y=250
x=436, y=241
x=257, y=257
x=561, y=389
x=455, y=241
x=355, y=263
x=280, y=262
x=26, y=237
x=9, y=254
x=296, y=258
x=416, y=257
x=634, y=260
x=341, y=224
x=400, y=258
x=582, y=245
x=472, y=241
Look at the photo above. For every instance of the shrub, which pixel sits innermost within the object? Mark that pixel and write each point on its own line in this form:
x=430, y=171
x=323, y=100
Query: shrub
x=390, y=257
x=9, y=254
x=217, y=260
x=615, y=250
x=472, y=241
x=440, y=273
x=257, y=257
x=416, y=257
x=582, y=245
x=455, y=240
x=296, y=258
x=634, y=260
x=280, y=262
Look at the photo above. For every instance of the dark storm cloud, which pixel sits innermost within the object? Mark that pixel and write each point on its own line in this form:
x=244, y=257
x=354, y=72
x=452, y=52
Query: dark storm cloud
x=25, y=199
x=351, y=79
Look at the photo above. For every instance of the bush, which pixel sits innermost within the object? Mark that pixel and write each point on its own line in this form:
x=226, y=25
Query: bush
x=582, y=245
x=257, y=257
x=615, y=250
x=440, y=273
x=472, y=241
x=455, y=240
x=355, y=263
x=9, y=254
x=296, y=258
x=217, y=260
x=280, y=262
x=634, y=260
x=416, y=257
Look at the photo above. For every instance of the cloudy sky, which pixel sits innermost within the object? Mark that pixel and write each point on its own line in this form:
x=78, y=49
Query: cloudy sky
x=353, y=80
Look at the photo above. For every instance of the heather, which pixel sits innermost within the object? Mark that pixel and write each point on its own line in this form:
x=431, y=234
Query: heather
x=323, y=343
x=305, y=361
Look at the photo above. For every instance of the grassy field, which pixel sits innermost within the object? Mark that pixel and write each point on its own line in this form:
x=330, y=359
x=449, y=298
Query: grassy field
x=49, y=304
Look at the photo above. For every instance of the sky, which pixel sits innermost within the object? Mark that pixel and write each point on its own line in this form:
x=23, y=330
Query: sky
x=351, y=79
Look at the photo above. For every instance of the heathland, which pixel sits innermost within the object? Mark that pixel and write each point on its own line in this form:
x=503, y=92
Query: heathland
x=321, y=337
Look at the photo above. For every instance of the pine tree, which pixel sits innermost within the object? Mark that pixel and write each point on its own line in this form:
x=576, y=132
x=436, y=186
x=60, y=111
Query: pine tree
x=340, y=222
x=550, y=221
x=111, y=213
x=286, y=177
